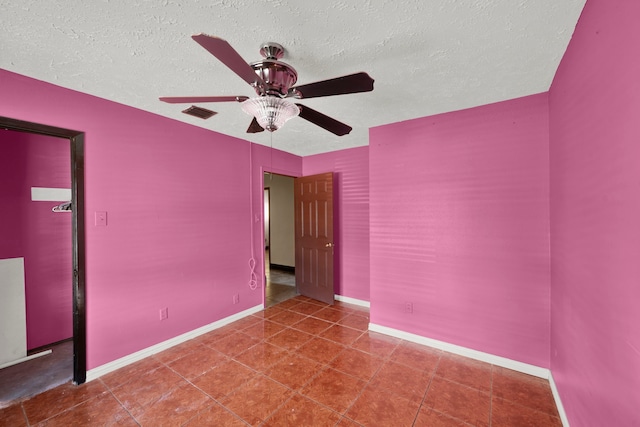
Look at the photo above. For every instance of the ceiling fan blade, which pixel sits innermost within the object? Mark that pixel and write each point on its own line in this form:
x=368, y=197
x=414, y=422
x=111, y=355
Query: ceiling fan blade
x=254, y=127
x=226, y=54
x=324, y=121
x=197, y=99
x=353, y=83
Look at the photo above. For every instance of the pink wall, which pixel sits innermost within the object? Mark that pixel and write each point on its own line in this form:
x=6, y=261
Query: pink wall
x=31, y=230
x=14, y=193
x=351, y=218
x=460, y=228
x=179, y=221
x=595, y=211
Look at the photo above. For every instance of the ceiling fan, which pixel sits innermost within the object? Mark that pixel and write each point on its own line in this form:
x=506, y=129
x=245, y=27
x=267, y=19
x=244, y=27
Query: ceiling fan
x=273, y=82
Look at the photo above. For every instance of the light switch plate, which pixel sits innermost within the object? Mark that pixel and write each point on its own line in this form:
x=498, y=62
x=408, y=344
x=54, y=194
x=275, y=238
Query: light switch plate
x=101, y=219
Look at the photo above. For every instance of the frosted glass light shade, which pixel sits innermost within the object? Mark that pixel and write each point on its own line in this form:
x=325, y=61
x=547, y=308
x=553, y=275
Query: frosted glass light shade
x=271, y=112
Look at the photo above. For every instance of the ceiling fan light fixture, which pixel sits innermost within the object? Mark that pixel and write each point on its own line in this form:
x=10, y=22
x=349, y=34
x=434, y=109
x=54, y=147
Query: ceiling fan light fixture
x=271, y=112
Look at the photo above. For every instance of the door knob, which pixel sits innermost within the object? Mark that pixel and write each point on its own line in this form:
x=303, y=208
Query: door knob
x=328, y=245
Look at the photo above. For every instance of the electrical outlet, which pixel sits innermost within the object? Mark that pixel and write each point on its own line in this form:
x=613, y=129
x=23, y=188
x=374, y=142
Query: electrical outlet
x=408, y=307
x=164, y=313
x=236, y=298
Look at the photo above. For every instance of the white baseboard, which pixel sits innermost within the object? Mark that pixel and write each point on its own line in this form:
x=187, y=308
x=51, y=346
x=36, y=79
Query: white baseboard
x=94, y=373
x=463, y=351
x=354, y=301
x=24, y=359
x=483, y=357
x=556, y=397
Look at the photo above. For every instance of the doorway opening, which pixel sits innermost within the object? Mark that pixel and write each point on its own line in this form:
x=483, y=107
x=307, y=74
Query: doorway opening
x=76, y=140
x=279, y=239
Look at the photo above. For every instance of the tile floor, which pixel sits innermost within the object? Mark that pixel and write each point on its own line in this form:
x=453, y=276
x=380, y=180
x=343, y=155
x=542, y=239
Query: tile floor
x=299, y=363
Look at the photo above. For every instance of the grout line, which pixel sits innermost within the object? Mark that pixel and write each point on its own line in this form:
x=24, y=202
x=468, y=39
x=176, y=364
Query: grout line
x=424, y=396
x=491, y=397
x=24, y=414
x=67, y=409
x=278, y=407
x=119, y=402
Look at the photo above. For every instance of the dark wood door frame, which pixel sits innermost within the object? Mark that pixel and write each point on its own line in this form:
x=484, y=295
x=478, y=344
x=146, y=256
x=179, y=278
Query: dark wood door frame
x=267, y=199
x=76, y=139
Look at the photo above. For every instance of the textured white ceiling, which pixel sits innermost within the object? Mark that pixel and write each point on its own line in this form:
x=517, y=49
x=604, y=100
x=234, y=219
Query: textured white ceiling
x=426, y=56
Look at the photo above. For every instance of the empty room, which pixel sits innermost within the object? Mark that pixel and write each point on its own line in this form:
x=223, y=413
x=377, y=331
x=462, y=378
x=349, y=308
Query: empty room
x=446, y=192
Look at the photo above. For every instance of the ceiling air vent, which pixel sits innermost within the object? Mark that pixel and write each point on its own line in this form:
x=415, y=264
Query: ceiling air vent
x=203, y=113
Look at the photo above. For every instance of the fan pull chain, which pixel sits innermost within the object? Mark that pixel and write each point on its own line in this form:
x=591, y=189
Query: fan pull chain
x=253, y=277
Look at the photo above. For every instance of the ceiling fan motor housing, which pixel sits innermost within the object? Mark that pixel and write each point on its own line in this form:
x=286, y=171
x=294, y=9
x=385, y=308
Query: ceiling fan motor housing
x=277, y=75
